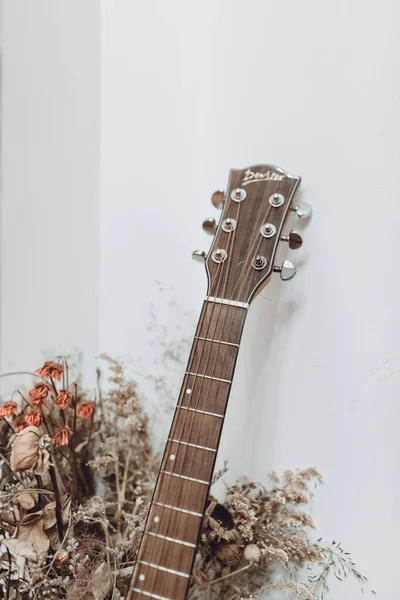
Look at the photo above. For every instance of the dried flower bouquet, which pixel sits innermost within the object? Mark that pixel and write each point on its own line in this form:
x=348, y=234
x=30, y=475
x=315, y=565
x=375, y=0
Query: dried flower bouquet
x=78, y=470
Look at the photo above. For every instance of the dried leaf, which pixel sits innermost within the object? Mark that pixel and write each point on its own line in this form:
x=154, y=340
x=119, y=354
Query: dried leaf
x=49, y=512
x=20, y=549
x=30, y=530
x=28, y=452
x=102, y=582
x=50, y=519
x=26, y=500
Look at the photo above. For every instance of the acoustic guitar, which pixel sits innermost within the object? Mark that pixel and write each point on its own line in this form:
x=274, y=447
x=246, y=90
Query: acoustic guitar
x=240, y=262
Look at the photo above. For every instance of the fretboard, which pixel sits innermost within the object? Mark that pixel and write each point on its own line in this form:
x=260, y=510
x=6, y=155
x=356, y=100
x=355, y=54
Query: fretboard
x=169, y=542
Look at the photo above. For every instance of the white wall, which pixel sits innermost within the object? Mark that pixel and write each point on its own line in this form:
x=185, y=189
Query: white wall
x=188, y=91
x=192, y=89
x=50, y=180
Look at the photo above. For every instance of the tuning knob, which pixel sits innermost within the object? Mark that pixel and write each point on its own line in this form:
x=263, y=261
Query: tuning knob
x=304, y=211
x=218, y=198
x=210, y=226
x=199, y=256
x=287, y=270
x=294, y=238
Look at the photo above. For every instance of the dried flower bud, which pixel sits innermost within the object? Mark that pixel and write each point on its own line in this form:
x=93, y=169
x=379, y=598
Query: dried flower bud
x=28, y=452
x=252, y=553
x=38, y=394
x=62, y=398
x=9, y=409
x=62, y=557
x=86, y=410
x=61, y=438
x=33, y=419
x=227, y=553
x=19, y=422
x=50, y=369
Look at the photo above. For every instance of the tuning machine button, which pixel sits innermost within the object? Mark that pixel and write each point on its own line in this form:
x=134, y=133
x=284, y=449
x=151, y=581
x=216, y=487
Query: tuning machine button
x=304, y=211
x=218, y=198
x=228, y=225
x=259, y=262
x=210, y=226
x=294, y=238
x=199, y=256
x=287, y=270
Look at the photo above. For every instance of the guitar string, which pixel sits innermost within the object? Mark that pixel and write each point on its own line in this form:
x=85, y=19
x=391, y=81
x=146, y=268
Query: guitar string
x=219, y=344
x=168, y=482
x=177, y=414
x=214, y=308
x=229, y=264
x=225, y=318
x=230, y=303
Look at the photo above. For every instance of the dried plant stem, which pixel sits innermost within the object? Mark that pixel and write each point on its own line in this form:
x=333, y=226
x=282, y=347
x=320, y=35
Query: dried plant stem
x=75, y=476
x=118, y=513
x=9, y=425
x=214, y=581
x=62, y=542
x=54, y=483
x=9, y=575
x=126, y=471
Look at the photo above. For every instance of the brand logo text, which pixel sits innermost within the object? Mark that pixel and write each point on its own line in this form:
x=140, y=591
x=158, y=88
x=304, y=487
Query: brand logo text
x=253, y=177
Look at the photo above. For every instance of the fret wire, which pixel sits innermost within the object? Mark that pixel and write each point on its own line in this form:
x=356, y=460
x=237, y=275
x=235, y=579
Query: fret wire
x=172, y=571
x=185, y=477
x=198, y=410
x=203, y=339
x=182, y=510
x=149, y=594
x=208, y=377
x=171, y=539
x=192, y=445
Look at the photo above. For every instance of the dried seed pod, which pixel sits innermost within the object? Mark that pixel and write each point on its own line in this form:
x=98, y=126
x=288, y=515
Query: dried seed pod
x=252, y=553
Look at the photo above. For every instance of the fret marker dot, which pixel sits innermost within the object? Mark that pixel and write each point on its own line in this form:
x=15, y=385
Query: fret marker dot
x=172, y=457
x=156, y=519
x=142, y=577
x=188, y=391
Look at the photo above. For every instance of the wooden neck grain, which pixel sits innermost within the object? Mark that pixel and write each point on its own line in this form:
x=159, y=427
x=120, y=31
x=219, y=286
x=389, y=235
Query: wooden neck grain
x=179, y=501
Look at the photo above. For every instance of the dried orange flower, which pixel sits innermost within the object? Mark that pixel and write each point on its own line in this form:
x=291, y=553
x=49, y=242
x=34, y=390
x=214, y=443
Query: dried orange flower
x=86, y=410
x=61, y=438
x=38, y=394
x=62, y=399
x=61, y=557
x=9, y=409
x=33, y=419
x=50, y=369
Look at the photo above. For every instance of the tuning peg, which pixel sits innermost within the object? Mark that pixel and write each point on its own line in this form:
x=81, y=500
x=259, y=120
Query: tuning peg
x=304, y=211
x=210, y=226
x=294, y=238
x=218, y=198
x=287, y=270
x=199, y=256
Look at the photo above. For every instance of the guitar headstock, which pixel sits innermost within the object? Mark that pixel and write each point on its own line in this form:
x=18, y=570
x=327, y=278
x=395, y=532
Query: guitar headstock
x=255, y=208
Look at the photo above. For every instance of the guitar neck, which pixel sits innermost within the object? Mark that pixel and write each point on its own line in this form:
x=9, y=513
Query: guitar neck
x=239, y=264
x=177, y=509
